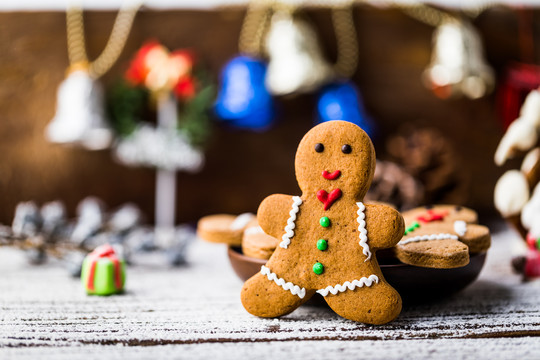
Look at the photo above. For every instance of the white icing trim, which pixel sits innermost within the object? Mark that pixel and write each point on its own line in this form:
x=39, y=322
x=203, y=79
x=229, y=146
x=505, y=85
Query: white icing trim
x=460, y=227
x=441, y=236
x=254, y=230
x=289, y=228
x=241, y=221
x=289, y=286
x=361, y=219
x=367, y=281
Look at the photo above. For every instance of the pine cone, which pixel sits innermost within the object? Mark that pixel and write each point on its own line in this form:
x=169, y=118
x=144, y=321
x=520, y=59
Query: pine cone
x=392, y=184
x=430, y=158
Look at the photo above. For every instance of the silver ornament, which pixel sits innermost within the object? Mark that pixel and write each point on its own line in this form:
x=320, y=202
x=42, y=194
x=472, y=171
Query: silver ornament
x=27, y=220
x=90, y=220
x=53, y=215
x=125, y=219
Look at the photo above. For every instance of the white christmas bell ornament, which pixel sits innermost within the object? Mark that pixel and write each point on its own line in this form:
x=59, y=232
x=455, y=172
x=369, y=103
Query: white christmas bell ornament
x=79, y=118
x=457, y=64
x=296, y=63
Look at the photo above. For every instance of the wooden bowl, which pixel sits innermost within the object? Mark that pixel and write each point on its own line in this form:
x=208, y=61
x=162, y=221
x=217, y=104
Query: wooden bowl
x=415, y=284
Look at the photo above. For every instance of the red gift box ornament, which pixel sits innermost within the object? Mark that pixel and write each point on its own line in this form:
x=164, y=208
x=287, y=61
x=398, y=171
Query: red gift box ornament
x=104, y=251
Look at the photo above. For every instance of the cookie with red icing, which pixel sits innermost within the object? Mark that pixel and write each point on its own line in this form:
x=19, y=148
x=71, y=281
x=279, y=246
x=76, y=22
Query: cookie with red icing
x=328, y=236
x=441, y=236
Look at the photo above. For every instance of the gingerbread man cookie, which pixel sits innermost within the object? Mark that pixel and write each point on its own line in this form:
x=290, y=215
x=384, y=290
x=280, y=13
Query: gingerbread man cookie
x=441, y=236
x=328, y=236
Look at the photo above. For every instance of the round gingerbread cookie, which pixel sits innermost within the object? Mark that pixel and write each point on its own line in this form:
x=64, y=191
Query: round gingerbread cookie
x=223, y=228
x=256, y=243
x=441, y=236
x=327, y=236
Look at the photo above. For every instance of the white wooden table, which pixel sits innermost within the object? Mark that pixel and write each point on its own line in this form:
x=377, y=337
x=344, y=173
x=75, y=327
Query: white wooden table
x=195, y=312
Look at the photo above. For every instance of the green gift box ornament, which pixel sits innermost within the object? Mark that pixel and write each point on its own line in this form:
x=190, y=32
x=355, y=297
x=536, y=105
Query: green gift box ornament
x=102, y=272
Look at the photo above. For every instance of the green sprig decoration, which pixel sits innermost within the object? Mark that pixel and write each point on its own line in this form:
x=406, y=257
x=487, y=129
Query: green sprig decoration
x=126, y=107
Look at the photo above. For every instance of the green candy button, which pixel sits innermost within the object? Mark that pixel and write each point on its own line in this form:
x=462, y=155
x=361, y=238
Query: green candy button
x=415, y=225
x=318, y=268
x=322, y=244
x=324, y=221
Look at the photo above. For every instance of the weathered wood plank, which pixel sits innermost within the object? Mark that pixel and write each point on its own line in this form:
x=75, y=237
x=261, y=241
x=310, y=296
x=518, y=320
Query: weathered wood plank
x=197, y=309
x=451, y=349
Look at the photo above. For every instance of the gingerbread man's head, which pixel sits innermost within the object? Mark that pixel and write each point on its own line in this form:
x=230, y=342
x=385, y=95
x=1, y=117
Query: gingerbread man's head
x=338, y=151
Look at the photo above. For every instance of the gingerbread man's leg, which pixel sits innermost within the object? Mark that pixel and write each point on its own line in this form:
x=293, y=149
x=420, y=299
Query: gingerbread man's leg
x=376, y=304
x=263, y=297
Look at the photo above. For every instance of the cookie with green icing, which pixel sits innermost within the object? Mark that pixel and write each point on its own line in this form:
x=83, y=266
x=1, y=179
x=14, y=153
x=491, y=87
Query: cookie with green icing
x=328, y=236
x=441, y=236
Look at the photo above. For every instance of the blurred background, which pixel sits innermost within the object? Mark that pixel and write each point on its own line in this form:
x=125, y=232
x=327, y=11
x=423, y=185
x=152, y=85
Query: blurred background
x=441, y=141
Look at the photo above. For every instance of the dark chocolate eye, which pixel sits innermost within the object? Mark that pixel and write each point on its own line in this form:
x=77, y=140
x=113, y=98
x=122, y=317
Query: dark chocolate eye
x=319, y=147
x=346, y=149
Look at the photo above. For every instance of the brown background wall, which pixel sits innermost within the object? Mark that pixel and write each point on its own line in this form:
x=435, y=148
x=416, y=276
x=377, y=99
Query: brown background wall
x=241, y=167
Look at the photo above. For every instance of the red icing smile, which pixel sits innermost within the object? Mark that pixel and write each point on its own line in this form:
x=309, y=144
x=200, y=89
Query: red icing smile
x=331, y=176
x=328, y=199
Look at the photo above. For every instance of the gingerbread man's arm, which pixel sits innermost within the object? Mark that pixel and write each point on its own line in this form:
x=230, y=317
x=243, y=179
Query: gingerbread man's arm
x=476, y=237
x=273, y=214
x=385, y=226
